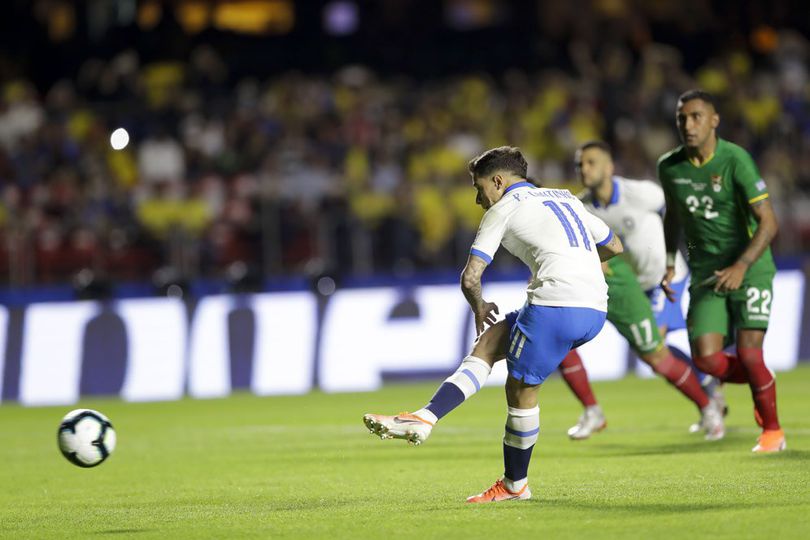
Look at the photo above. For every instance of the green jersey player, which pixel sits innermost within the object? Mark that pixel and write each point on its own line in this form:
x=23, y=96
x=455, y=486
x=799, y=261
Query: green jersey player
x=632, y=208
x=715, y=195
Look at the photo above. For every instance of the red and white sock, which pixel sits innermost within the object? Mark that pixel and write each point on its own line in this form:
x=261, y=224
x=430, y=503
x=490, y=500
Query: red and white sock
x=682, y=377
x=763, y=386
x=573, y=371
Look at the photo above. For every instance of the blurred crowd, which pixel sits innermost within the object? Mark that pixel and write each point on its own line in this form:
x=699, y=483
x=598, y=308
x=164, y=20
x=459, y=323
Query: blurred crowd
x=351, y=173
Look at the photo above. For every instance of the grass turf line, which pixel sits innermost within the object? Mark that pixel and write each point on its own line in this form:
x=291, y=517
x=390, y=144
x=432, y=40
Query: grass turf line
x=292, y=467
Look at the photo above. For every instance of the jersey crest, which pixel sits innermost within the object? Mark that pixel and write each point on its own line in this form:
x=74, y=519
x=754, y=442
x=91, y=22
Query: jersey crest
x=717, y=182
x=629, y=223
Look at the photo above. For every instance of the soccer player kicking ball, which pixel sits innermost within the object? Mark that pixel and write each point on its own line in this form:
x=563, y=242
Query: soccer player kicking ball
x=714, y=193
x=632, y=209
x=562, y=244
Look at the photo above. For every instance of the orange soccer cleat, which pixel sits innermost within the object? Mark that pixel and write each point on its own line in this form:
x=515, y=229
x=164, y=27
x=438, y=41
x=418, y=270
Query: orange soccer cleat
x=771, y=440
x=498, y=493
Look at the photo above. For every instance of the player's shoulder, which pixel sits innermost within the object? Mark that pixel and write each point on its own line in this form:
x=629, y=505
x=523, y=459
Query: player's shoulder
x=731, y=149
x=499, y=210
x=641, y=187
x=673, y=157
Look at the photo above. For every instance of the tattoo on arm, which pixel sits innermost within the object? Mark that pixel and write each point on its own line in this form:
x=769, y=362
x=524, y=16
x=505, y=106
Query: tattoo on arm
x=471, y=281
x=611, y=249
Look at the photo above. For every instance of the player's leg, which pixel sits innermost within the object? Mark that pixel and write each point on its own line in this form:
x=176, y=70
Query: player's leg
x=543, y=337
x=631, y=313
x=471, y=374
x=620, y=279
x=461, y=385
x=763, y=390
x=669, y=317
x=681, y=375
x=750, y=307
x=592, y=420
x=707, y=350
x=520, y=435
x=576, y=377
x=678, y=373
x=708, y=324
x=711, y=386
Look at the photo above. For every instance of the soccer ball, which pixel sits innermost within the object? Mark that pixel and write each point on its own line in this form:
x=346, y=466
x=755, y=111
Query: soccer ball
x=86, y=437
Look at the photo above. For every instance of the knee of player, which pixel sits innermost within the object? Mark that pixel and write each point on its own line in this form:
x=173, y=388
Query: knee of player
x=714, y=363
x=491, y=346
x=486, y=351
x=750, y=338
x=520, y=394
x=653, y=358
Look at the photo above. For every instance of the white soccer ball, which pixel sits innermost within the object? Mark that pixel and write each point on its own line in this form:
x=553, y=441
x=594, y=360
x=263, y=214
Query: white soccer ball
x=86, y=437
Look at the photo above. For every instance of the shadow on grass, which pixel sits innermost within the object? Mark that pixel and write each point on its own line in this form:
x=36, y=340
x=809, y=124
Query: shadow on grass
x=698, y=446
x=123, y=531
x=650, y=508
x=729, y=444
x=789, y=455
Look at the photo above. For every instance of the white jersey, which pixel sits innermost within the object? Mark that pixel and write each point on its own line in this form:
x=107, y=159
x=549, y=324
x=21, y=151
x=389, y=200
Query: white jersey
x=634, y=213
x=552, y=233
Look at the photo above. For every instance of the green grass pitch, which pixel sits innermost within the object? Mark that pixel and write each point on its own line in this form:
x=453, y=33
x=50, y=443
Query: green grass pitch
x=305, y=467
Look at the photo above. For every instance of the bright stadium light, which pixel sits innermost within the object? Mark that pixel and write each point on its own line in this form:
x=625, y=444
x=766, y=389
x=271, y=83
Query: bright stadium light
x=119, y=139
x=340, y=18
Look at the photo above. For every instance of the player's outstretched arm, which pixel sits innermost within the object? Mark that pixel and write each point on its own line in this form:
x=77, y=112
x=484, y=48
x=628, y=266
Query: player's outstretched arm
x=730, y=278
x=610, y=249
x=471, y=287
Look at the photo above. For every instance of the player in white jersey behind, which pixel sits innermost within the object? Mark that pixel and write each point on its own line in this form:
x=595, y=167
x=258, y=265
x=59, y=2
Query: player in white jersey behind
x=633, y=208
x=562, y=245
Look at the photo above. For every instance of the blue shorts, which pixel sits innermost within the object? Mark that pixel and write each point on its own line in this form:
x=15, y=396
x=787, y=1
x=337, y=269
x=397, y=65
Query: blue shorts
x=668, y=313
x=541, y=336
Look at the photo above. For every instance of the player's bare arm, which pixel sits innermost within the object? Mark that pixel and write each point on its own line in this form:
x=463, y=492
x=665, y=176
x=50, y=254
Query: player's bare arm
x=609, y=250
x=730, y=278
x=471, y=287
x=672, y=235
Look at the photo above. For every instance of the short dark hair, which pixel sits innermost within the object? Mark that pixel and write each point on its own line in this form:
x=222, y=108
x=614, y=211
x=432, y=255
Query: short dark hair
x=601, y=145
x=702, y=95
x=503, y=158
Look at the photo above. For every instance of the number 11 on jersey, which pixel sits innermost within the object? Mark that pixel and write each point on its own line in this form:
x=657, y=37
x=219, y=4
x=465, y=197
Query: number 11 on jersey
x=569, y=230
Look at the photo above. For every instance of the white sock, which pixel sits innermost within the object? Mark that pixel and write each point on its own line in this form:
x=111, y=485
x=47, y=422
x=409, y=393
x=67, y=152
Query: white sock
x=522, y=427
x=470, y=375
x=515, y=485
x=425, y=414
x=468, y=379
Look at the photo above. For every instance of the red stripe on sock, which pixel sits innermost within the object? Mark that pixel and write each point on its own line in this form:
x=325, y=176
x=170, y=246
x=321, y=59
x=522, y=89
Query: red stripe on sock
x=681, y=376
x=573, y=371
x=763, y=386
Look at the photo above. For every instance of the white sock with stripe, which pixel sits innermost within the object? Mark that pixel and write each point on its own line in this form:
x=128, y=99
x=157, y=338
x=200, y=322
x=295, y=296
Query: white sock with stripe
x=470, y=375
x=457, y=388
x=522, y=429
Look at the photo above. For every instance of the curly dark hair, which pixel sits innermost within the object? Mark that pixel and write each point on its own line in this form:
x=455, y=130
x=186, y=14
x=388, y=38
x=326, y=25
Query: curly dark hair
x=503, y=158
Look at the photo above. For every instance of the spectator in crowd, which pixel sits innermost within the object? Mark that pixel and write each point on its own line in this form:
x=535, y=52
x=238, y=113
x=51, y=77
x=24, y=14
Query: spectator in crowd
x=354, y=172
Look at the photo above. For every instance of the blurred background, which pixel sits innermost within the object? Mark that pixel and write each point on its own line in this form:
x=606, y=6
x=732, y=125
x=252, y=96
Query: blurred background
x=258, y=139
x=154, y=148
